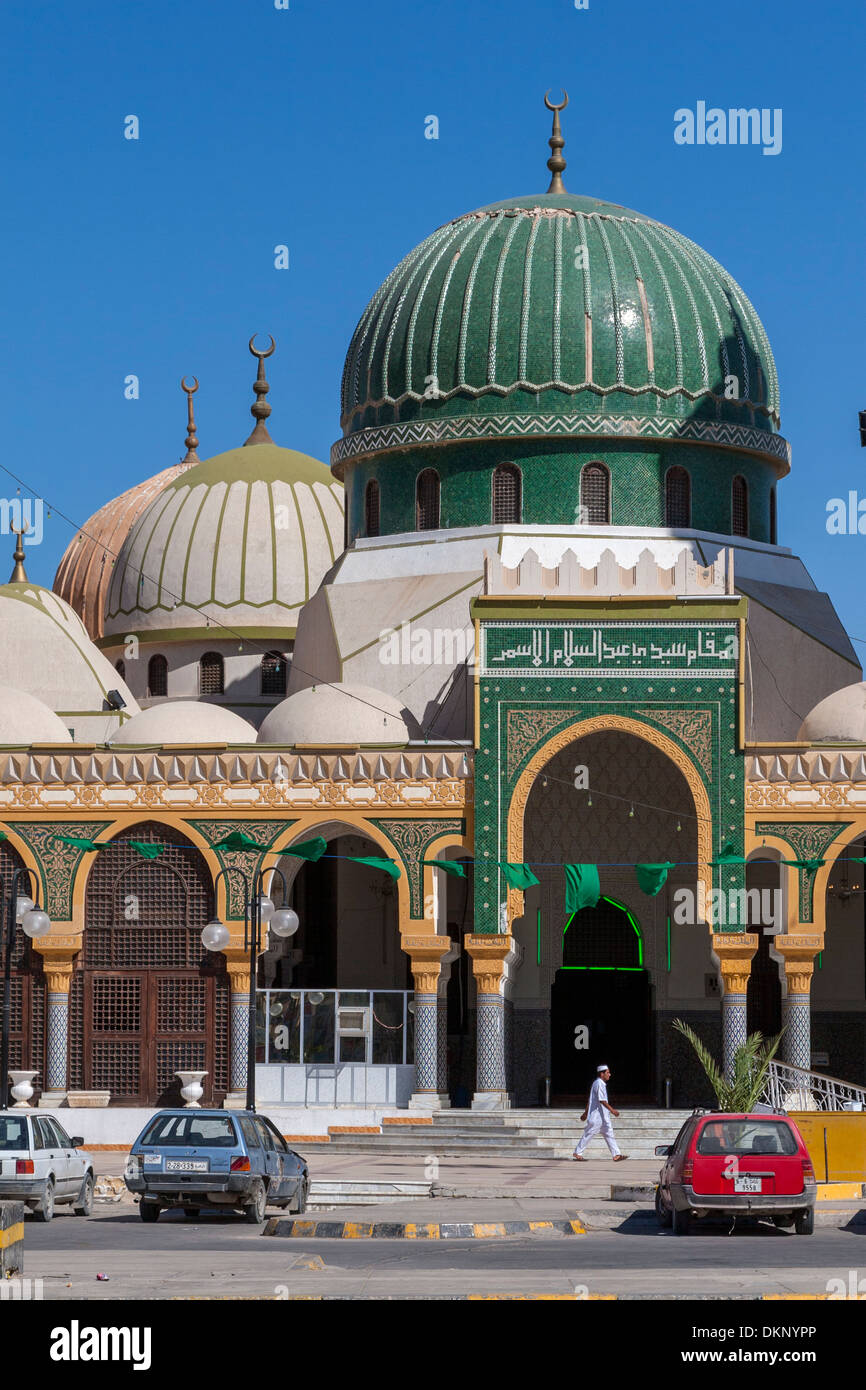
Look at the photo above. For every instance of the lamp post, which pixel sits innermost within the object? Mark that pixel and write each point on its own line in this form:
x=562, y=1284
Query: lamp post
x=25, y=912
x=259, y=910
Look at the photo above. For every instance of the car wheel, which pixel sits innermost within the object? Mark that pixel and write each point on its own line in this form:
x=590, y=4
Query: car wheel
x=783, y=1221
x=681, y=1222
x=804, y=1222
x=303, y=1194
x=45, y=1210
x=149, y=1211
x=664, y=1216
x=84, y=1205
x=254, y=1211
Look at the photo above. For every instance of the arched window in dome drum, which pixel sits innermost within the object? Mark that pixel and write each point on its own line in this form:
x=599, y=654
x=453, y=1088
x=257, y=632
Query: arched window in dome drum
x=371, y=508
x=120, y=668
x=157, y=677
x=274, y=669
x=427, y=501
x=773, y=522
x=506, y=494
x=211, y=675
x=678, y=497
x=595, y=495
x=739, y=507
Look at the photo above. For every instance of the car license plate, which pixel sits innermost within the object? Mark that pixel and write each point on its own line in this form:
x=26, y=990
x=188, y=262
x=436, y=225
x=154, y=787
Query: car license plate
x=744, y=1183
x=186, y=1165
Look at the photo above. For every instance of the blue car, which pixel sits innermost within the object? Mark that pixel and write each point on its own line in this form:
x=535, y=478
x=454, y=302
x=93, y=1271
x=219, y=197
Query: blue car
x=217, y=1159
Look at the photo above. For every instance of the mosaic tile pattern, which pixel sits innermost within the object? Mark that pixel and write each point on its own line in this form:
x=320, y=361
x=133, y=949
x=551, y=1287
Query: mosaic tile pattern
x=58, y=1029
x=426, y=1046
x=491, y=1043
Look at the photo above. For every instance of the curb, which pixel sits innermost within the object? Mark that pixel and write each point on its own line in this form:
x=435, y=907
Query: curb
x=411, y=1230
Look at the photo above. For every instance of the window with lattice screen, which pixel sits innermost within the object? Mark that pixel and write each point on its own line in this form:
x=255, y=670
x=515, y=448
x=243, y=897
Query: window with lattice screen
x=427, y=501
x=595, y=495
x=157, y=676
x=773, y=522
x=602, y=938
x=678, y=498
x=120, y=668
x=739, y=507
x=274, y=669
x=506, y=494
x=371, y=508
x=211, y=674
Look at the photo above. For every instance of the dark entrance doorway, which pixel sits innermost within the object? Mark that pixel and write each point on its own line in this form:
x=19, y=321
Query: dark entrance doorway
x=603, y=988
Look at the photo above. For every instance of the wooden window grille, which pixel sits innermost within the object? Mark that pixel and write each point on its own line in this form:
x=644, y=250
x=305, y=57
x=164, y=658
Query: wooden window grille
x=739, y=507
x=595, y=495
x=371, y=508
x=427, y=500
x=157, y=676
x=678, y=498
x=506, y=494
x=211, y=674
x=274, y=669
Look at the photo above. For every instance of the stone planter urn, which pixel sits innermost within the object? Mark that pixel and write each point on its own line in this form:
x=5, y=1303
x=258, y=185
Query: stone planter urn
x=191, y=1088
x=22, y=1088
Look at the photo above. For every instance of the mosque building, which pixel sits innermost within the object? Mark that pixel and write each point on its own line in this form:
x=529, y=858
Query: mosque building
x=501, y=693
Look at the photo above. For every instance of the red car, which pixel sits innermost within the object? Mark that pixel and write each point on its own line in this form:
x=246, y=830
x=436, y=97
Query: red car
x=736, y=1165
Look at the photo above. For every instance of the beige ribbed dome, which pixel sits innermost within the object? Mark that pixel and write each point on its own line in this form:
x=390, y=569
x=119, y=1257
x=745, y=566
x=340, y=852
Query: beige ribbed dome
x=84, y=573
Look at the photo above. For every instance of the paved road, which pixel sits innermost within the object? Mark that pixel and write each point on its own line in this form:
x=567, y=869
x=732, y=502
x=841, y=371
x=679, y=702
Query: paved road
x=221, y=1255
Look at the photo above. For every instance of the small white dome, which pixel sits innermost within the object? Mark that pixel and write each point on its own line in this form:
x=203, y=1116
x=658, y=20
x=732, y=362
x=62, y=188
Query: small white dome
x=840, y=718
x=25, y=720
x=185, y=721
x=336, y=714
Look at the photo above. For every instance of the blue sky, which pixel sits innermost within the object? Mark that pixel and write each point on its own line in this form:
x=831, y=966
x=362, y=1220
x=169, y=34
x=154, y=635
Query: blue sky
x=306, y=127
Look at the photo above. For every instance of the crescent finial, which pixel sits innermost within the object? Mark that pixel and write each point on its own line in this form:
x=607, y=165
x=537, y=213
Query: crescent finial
x=191, y=440
x=556, y=163
x=550, y=105
x=190, y=390
x=257, y=351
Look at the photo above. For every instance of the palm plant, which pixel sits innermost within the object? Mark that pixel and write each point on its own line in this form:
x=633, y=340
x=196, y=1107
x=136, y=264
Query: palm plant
x=751, y=1063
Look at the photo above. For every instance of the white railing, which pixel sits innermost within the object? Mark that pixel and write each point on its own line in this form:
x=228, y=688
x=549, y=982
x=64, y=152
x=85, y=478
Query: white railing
x=793, y=1088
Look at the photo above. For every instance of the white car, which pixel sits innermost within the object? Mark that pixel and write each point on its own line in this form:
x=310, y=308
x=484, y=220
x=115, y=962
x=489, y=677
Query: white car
x=41, y=1166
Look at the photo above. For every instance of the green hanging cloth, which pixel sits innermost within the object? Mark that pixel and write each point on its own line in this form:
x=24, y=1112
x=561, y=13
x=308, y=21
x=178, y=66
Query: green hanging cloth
x=80, y=843
x=652, y=877
x=238, y=840
x=308, y=849
x=518, y=875
x=727, y=856
x=146, y=849
x=386, y=865
x=451, y=866
x=3, y=835
x=811, y=864
x=582, y=886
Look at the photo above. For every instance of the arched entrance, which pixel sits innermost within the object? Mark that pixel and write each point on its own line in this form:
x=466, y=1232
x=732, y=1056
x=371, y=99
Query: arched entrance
x=600, y=1002
x=27, y=1022
x=606, y=969
x=147, y=1000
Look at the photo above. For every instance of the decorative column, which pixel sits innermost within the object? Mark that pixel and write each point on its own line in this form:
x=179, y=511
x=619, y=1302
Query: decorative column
x=491, y=956
x=734, y=951
x=798, y=952
x=425, y=953
x=239, y=978
x=58, y=978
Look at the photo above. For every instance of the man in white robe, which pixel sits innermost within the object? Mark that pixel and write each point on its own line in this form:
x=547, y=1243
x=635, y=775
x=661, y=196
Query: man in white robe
x=597, y=1116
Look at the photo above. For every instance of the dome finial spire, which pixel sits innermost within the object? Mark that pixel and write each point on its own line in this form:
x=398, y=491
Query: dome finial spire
x=191, y=441
x=260, y=410
x=556, y=163
x=19, y=574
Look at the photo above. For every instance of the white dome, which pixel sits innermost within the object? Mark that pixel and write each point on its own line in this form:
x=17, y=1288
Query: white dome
x=25, y=720
x=840, y=718
x=336, y=714
x=45, y=645
x=186, y=722
x=242, y=541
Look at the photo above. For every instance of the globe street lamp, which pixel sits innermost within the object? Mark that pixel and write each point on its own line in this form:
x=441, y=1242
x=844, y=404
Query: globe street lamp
x=24, y=912
x=259, y=911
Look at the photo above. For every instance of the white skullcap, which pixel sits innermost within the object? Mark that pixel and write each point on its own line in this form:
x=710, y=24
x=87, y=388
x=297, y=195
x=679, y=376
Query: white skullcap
x=603, y=1067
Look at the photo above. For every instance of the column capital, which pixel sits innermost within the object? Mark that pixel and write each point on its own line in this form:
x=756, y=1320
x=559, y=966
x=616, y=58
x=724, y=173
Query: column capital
x=735, y=951
x=798, y=950
x=425, y=955
x=57, y=968
x=489, y=955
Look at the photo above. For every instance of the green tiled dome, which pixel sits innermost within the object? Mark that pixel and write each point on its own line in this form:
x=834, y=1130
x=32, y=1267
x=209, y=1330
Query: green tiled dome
x=558, y=315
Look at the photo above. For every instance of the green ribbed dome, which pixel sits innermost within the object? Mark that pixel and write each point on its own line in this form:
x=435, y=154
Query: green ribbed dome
x=558, y=315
